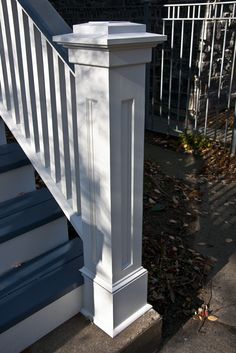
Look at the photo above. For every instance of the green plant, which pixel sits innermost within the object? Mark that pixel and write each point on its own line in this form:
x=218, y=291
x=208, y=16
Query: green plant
x=194, y=142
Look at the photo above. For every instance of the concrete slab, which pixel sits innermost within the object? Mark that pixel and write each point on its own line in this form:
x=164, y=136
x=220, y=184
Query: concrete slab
x=213, y=338
x=172, y=163
x=79, y=335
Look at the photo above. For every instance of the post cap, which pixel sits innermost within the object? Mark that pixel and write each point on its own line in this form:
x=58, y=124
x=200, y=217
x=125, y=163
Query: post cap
x=107, y=34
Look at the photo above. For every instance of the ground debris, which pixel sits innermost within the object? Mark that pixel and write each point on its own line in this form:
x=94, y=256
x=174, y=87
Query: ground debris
x=176, y=272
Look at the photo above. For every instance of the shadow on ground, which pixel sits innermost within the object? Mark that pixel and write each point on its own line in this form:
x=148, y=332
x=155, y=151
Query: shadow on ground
x=212, y=234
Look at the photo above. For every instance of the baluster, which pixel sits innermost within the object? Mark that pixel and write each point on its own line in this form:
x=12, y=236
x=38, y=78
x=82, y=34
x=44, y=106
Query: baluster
x=60, y=95
x=37, y=60
x=9, y=61
x=47, y=79
x=64, y=86
x=19, y=74
x=73, y=138
x=28, y=76
x=51, y=111
x=3, y=75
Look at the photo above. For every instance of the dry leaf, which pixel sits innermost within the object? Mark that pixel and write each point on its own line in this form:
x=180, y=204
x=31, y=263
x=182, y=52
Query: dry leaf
x=151, y=201
x=212, y=318
x=176, y=202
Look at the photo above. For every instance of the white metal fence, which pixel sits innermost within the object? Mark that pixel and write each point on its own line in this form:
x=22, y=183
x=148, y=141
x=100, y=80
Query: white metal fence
x=193, y=79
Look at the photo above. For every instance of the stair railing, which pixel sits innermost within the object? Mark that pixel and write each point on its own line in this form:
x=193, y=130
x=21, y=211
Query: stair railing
x=38, y=97
x=84, y=133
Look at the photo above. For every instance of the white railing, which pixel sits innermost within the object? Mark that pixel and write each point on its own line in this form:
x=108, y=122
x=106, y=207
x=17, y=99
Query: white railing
x=84, y=134
x=38, y=92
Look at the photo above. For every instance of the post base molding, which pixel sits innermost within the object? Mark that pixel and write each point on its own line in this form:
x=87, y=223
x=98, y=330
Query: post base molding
x=114, y=310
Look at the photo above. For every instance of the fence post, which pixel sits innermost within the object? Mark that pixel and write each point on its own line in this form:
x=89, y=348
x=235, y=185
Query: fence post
x=110, y=60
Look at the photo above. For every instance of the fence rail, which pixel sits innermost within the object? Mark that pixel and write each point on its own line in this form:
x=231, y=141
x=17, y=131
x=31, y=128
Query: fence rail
x=38, y=89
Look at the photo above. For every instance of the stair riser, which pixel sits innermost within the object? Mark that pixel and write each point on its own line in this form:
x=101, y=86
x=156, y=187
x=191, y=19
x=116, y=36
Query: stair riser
x=33, y=243
x=39, y=324
x=16, y=182
x=3, y=140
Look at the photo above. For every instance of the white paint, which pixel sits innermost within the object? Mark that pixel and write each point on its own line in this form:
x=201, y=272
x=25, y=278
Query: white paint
x=110, y=62
x=16, y=181
x=39, y=324
x=31, y=244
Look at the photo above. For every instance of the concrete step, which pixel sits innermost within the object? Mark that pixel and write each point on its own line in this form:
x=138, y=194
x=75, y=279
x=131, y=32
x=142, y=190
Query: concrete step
x=30, y=225
x=16, y=172
x=40, y=295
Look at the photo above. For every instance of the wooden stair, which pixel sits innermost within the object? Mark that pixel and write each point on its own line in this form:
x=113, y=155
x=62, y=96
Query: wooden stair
x=40, y=282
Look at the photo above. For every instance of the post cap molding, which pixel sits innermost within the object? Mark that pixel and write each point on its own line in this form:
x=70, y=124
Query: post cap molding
x=109, y=34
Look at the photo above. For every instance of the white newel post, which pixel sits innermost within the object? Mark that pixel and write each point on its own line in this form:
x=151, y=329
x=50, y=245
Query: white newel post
x=110, y=60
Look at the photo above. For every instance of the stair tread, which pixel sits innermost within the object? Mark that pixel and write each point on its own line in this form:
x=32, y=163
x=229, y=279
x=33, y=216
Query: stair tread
x=12, y=157
x=24, y=201
x=9, y=148
x=26, y=219
x=41, y=291
x=21, y=276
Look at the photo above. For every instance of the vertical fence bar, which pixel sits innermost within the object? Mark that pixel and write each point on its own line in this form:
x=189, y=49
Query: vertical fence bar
x=210, y=70
x=203, y=35
x=221, y=75
x=232, y=73
x=171, y=65
x=162, y=72
x=233, y=144
x=190, y=66
x=180, y=69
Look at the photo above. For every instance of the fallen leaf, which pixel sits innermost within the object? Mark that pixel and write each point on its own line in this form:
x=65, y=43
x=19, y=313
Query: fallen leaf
x=176, y=202
x=151, y=201
x=212, y=318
